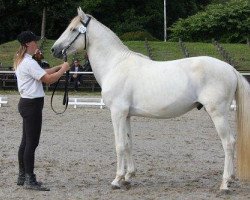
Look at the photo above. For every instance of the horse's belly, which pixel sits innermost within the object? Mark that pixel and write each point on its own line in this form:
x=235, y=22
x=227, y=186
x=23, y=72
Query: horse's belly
x=156, y=111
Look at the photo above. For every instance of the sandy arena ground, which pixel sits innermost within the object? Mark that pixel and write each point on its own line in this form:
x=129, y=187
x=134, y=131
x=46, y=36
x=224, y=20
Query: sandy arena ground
x=179, y=158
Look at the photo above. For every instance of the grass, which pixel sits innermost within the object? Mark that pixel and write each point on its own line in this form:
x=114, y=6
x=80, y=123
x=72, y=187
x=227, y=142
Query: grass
x=201, y=49
x=239, y=52
x=241, y=55
x=166, y=50
x=7, y=51
x=160, y=51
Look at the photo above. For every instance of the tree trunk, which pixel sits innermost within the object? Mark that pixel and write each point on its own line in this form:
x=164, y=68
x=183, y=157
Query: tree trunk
x=43, y=23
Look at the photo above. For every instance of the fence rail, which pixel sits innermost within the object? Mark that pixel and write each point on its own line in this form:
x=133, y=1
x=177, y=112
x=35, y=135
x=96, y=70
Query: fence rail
x=8, y=81
x=88, y=81
x=86, y=102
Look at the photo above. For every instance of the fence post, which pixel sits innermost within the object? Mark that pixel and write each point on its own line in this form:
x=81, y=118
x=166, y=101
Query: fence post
x=226, y=56
x=184, y=49
x=149, y=49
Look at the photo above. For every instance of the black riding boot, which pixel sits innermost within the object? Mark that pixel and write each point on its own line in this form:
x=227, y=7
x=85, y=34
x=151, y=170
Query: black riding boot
x=21, y=177
x=31, y=183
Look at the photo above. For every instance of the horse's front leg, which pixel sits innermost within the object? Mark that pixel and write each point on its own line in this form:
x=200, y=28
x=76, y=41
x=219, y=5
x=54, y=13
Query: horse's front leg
x=120, y=125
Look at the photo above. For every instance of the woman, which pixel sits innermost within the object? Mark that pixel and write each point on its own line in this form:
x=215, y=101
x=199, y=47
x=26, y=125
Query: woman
x=29, y=79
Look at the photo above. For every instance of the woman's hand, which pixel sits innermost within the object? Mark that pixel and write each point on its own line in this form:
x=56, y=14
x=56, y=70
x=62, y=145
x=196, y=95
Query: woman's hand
x=53, y=77
x=65, y=66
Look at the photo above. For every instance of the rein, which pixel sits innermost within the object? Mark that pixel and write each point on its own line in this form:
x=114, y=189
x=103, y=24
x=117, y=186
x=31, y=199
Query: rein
x=81, y=30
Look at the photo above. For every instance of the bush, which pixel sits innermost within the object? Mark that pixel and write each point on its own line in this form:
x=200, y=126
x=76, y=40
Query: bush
x=137, y=36
x=224, y=22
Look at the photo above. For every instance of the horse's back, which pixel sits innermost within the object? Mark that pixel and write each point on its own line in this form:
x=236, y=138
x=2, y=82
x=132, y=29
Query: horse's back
x=194, y=73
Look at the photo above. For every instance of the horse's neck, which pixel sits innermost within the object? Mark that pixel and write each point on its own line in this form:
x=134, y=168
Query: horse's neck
x=105, y=50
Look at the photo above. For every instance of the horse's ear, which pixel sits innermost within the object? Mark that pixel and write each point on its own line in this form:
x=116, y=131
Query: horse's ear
x=81, y=13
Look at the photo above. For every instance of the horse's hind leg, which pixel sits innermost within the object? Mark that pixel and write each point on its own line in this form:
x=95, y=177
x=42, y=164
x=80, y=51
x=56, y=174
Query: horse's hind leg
x=219, y=115
x=121, y=126
x=130, y=161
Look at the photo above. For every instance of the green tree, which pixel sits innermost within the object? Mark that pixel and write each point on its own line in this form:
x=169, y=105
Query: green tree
x=120, y=15
x=17, y=16
x=61, y=10
x=136, y=15
x=42, y=4
x=227, y=22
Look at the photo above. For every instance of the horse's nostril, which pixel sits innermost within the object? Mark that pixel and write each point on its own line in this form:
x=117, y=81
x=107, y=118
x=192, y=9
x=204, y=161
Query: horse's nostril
x=52, y=50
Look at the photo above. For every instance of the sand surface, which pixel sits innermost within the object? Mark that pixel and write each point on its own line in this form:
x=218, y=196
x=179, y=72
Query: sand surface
x=179, y=158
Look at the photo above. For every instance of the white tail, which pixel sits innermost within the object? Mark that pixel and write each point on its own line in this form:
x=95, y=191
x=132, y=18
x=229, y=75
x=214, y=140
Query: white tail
x=243, y=128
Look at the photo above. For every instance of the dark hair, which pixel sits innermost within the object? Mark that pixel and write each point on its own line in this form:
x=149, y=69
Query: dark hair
x=27, y=36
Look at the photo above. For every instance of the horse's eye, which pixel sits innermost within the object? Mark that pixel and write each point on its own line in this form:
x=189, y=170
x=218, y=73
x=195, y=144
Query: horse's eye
x=73, y=29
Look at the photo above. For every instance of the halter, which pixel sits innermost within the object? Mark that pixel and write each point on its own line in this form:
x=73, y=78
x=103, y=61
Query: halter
x=81, y=30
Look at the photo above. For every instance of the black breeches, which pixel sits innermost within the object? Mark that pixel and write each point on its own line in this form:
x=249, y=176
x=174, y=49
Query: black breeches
x=31, y=112
x=77, y=81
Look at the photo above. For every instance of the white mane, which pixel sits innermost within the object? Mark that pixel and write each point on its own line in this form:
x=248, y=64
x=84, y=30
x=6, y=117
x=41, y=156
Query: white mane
x=110, y=35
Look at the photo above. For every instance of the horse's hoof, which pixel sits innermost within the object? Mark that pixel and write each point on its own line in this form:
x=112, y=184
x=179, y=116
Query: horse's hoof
x=115, y=187
x=224, y=192
x=126, y=184
x=233, y=178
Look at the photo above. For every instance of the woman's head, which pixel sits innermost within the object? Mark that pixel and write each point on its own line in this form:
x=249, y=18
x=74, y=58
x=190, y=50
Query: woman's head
x=28, y=44
x=26, y=37
x=29, y=40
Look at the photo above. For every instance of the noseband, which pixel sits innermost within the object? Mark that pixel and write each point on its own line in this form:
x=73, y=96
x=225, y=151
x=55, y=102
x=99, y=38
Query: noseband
x=81, y=30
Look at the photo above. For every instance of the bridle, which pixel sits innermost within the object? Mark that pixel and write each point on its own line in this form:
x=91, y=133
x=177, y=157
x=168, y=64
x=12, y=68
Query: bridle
x=81, y=30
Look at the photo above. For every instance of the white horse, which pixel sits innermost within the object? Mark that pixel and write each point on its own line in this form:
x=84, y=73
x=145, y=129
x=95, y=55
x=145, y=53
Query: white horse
x=133, y=85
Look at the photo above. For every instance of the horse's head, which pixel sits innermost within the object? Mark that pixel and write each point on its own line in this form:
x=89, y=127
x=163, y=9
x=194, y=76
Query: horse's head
x=74, y=37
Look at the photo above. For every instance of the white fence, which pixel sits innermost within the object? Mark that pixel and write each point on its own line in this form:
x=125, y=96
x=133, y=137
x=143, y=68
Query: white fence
x=12, y=72
x=86, y=102
x=245, y=73
x=3, y=100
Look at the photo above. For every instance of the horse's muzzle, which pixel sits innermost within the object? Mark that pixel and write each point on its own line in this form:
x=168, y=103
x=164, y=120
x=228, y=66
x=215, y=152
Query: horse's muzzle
x=56, y=53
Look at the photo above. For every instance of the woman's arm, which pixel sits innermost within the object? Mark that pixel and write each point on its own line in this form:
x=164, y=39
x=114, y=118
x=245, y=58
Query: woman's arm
x=53, y=69
x=53, y=77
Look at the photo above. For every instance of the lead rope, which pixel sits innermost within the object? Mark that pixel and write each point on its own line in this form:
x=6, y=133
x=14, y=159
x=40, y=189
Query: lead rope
x=66, y=96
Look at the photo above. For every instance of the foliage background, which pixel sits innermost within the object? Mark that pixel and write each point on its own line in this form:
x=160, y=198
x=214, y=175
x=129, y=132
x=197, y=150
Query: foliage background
x=122, y=16
x=229, y=22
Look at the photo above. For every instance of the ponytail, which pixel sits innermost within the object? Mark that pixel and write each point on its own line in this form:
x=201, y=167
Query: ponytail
x=19, y=56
